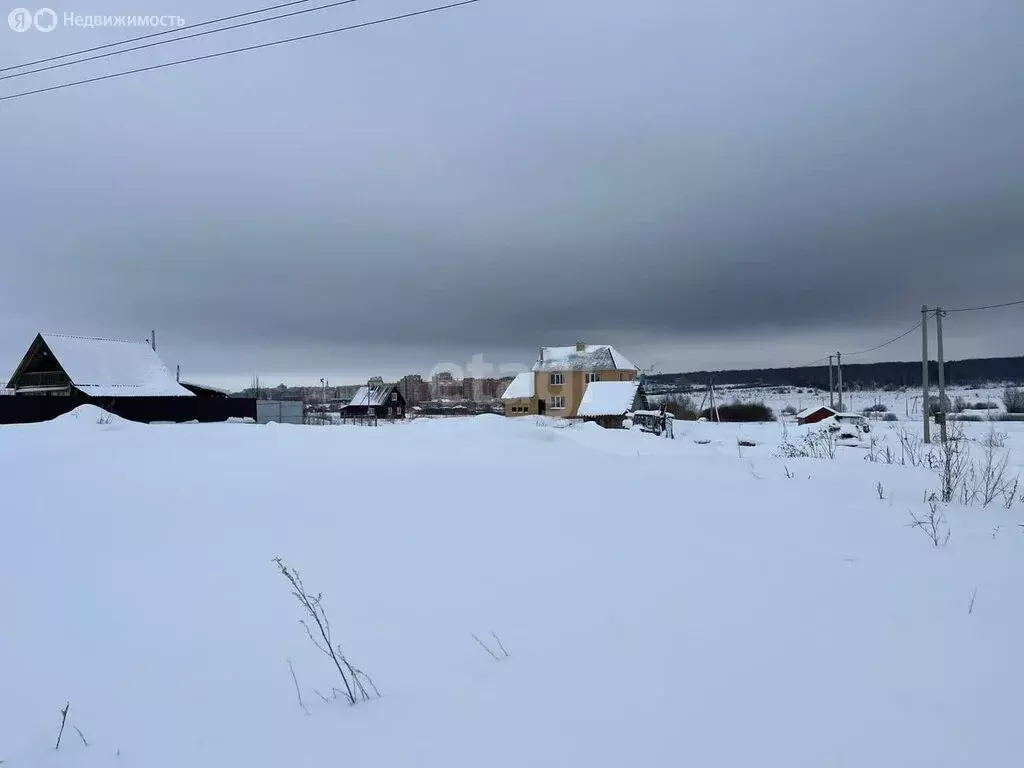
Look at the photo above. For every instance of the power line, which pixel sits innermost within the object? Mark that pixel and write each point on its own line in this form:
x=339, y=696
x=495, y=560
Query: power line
x=886, y=344
x=177, y=39
x=990, y=306
x=258, y=46
x=268, y=9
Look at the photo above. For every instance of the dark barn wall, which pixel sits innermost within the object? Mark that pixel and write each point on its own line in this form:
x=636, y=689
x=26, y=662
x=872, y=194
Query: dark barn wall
x=15, y=409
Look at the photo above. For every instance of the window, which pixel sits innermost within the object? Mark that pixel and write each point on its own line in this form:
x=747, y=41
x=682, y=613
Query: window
x=557, y=379
x=593, y=377
x=558, y=402
x=394, y=397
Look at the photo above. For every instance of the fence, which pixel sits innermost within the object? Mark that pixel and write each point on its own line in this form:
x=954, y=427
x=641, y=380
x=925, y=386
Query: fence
x=31, y=409
x=280, y=411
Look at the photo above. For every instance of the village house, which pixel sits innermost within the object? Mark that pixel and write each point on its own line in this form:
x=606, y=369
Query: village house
x=93, y=368
x=559, y=379
x=376, y=400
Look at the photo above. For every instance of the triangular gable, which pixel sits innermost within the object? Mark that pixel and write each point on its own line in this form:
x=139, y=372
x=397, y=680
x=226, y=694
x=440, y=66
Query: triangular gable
x=35, y=349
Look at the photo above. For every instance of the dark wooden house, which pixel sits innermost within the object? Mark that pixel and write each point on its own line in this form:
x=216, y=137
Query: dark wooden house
x=59, y=373
x=380, y=401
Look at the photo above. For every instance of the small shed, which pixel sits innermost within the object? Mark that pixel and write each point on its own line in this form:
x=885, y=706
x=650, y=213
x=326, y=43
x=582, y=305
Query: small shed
x=519, y=398
x=608, y=402
x=815, y=414
x=380, y=401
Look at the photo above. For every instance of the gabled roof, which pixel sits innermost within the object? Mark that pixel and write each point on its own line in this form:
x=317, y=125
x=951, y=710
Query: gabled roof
x=594, y=357
x=813, y=409
x=373, y=397
x=608, y=398
x=110, y=367
x=521, y=386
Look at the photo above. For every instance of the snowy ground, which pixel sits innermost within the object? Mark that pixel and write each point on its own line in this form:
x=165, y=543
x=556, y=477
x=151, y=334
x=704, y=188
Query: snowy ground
x=904, y=404
x=664, y=603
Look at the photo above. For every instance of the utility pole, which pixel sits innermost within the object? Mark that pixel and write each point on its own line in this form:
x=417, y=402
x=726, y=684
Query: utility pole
x=839, y=377
x=925, y=405
x=177, y=375
x=831, y=386
x=942, y=373
x=152, y=340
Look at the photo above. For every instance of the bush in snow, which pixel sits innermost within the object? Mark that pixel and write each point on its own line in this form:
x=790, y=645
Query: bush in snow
x=816, y=444
x=876, y=408
x=1013, y=399
x=741, y=412
x=890, y=416
x=932, y=524
x=353, y=679
x=789, y=410
x=682, y=407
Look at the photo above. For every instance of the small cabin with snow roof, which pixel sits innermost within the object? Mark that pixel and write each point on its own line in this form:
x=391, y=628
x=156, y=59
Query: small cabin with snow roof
x=815, y=414
x=380, y=401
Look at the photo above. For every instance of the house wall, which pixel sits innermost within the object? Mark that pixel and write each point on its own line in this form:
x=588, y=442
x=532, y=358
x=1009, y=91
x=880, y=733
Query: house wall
x=512, y=406
x=573, y=388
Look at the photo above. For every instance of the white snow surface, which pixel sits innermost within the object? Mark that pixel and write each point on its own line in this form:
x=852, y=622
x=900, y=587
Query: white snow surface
x=593, y=357
x=521, y=386
x=664, y=602
x=608, y=398
x=113, y=368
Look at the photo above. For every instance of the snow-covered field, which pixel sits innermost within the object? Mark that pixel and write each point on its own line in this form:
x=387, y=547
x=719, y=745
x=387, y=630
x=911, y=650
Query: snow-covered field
x=663, y=602
x=904, y=404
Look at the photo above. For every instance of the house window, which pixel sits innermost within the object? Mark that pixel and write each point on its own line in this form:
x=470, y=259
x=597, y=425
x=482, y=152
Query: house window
x=394, y=397
x=558, y=402
x=593, y=377
x=557, y=378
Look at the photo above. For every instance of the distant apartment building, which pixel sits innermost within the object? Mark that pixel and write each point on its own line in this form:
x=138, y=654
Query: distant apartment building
x=443, y=386
x=413, y=388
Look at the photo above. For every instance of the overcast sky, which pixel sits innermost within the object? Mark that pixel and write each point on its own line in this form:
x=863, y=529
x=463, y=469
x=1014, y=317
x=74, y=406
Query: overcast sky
x=702, y=183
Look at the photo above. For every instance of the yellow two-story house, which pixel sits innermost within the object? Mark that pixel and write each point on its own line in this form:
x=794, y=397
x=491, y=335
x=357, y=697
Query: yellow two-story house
x=560, y=376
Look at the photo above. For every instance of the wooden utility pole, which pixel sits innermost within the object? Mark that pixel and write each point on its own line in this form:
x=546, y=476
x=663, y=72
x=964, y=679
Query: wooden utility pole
x=831, y=386
x=925, y=405
x=839, y=377
x=942, y=374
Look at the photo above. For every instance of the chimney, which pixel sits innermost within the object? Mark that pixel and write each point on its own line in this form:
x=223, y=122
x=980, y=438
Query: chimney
x=541, y=358
x=581, y=347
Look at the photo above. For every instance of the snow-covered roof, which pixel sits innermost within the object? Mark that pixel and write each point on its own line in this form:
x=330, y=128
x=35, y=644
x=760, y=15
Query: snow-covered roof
x=113, y=368
x=593, y=357
x=221, y=390
x=608, y=398
x=374, y=396
x=813, y=409
x=521, y=386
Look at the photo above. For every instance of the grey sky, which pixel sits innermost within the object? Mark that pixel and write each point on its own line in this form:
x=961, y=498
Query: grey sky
x=703, y=184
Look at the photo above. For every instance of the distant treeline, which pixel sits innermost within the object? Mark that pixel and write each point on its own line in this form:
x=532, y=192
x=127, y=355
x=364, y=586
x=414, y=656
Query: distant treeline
x=861, y=375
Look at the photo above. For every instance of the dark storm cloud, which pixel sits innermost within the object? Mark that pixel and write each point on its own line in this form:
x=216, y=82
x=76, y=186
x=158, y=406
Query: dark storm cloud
x=707, y=183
